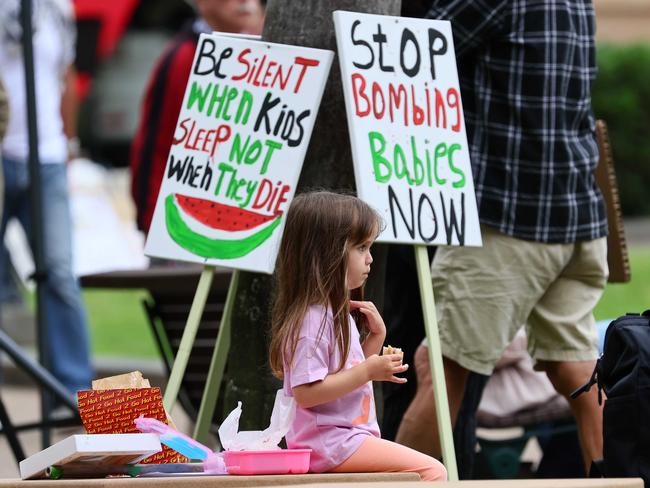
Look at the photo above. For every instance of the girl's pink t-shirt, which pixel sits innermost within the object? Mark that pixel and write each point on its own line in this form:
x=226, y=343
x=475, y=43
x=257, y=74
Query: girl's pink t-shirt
x=332, y=430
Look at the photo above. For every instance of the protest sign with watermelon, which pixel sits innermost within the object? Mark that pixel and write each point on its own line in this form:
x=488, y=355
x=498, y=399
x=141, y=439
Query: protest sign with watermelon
x=241, y=137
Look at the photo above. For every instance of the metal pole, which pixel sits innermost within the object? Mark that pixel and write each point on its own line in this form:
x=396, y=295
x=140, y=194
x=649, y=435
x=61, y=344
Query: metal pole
x=36, y=206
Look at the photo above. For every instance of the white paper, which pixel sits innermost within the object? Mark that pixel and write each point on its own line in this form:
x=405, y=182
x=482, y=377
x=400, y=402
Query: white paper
x=284, y=411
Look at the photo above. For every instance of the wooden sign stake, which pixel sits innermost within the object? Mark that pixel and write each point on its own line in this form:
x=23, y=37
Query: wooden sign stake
x=217, y=366
x=189, y=334
x=435, y=361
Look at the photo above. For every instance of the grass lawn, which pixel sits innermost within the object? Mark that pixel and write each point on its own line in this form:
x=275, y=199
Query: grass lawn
x=118, y=323
x=634, y=296
x=120, y=328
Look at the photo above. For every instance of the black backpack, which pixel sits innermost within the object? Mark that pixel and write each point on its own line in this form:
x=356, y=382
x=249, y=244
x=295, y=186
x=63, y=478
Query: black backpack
x=623, y=372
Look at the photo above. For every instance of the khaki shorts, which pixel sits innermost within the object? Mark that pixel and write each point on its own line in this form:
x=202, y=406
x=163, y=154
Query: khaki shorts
x=485, y=294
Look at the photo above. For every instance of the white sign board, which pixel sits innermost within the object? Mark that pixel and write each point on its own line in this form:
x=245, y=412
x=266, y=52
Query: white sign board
x=238, y=148
x=404, y=111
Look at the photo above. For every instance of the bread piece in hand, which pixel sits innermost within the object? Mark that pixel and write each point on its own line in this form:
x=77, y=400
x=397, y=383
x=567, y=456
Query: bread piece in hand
x=392, y=350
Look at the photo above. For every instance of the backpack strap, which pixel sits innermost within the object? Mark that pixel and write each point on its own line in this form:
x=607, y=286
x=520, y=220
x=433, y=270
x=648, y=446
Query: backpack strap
x=592, y=381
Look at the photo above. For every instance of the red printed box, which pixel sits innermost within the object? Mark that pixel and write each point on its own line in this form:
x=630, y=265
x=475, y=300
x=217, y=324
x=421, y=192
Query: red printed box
x=113, y=412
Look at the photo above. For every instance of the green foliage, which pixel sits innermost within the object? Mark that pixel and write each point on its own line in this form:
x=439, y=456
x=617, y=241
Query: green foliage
x=621, y=96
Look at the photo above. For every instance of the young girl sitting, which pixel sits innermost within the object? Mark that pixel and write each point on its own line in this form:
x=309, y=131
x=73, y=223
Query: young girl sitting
x=327, y=358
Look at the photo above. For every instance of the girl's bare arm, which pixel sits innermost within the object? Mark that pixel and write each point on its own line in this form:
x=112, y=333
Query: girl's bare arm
x=374, y=368
x=374, y=341
x=372, y=344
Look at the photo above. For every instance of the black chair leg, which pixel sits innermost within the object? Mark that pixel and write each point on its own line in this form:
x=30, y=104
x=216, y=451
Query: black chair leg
x=10, y=432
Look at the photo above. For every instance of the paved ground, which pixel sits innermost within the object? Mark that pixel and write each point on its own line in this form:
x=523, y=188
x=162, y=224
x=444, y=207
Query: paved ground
x=23, y=404
x=637, y=231
x=622, y=21
x=22, y=401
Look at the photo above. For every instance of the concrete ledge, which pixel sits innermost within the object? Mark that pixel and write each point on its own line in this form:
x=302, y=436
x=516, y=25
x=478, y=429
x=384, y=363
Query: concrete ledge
x=348, y=480
x=557, y=483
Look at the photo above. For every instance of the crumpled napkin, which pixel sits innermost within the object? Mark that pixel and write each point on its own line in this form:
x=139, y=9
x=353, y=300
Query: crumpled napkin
x=284, y=411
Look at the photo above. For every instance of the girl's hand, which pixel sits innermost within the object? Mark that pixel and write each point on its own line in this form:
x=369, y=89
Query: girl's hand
x=375, y=322
x=384, y=368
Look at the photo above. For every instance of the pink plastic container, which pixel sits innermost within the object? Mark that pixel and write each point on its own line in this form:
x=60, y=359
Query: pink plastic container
x=280, y=461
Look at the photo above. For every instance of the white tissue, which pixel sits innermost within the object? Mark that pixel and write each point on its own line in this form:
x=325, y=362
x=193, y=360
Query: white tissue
x=284, y=411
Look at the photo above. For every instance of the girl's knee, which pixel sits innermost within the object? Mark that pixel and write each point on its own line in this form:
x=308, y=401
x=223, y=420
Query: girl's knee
x=435, y=472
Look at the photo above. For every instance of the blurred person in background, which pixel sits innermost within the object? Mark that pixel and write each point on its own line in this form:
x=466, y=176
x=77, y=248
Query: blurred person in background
x=165, y=91
x=67, y=339
x=9, y=292
x=4, y=118
x=8, y=288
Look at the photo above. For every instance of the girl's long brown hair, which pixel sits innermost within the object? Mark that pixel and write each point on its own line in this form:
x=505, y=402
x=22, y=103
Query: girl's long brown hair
x=311, y=268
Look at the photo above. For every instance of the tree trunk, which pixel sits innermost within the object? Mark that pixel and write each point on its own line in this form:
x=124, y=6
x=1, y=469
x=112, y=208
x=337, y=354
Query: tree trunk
x=328, y=165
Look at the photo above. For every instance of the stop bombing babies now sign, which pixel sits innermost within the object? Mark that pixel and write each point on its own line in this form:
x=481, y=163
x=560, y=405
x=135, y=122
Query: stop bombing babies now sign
x=404, y=111
x=238, y=148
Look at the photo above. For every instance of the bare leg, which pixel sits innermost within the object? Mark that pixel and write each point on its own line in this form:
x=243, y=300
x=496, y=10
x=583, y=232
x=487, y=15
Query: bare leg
x=419, y=428
x=566, y=376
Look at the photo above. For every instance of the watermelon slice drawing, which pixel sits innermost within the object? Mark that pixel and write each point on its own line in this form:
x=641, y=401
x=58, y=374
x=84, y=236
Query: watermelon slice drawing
x=220, y=216
x=216, y=216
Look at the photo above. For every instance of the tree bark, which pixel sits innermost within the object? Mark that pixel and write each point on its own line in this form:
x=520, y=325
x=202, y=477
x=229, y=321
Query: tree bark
x=328, y=165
